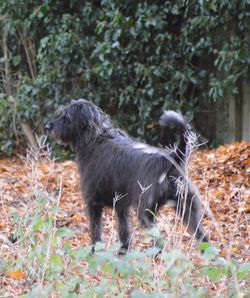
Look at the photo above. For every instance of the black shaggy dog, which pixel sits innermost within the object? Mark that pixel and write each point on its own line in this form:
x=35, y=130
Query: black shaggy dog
x=118, y=171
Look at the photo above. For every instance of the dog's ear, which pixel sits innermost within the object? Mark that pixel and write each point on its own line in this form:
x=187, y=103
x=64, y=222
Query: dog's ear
x=95, y=120
x=90, y=120
x=87, y=112
x=91, y=113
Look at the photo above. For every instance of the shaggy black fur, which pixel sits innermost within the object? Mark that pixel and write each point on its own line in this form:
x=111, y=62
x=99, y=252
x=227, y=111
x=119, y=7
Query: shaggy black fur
x=118, y=171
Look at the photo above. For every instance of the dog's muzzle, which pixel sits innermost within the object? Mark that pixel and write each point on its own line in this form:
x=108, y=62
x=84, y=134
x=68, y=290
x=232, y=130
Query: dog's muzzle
x=49, y=126
x=50, y=131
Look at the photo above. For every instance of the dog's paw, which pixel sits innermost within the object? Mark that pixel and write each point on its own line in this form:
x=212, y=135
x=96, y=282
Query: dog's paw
x=157, y=256
x=122, y=251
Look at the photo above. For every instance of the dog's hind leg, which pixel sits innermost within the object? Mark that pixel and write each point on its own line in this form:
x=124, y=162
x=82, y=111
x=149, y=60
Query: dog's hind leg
x=189, y=209
x=187, y=205
x=147, y=218
x=123, y=229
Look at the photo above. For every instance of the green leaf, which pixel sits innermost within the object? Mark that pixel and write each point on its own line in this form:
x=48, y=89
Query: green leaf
x=2, y=106
x=64, y=232
x=204, y=245
x=38, y=223
x=244, y=271
x=214, y=274
x=210, y=253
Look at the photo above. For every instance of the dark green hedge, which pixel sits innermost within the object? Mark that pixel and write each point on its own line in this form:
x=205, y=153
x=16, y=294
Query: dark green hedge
x=133, y=58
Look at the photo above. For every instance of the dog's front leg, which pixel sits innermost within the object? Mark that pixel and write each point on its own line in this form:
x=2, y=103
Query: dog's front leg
x=123, y=230
x=95, y=214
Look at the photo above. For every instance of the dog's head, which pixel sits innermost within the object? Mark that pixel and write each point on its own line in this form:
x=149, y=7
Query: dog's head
x=80, y=121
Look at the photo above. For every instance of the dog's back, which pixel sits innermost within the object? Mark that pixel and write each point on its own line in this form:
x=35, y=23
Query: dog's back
x=118, y=165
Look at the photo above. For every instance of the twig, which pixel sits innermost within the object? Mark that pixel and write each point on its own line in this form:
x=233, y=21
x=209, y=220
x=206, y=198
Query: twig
x=30, y=136
x=50, y=236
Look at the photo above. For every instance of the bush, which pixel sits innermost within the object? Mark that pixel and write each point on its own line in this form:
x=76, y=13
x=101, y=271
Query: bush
x=131, y=58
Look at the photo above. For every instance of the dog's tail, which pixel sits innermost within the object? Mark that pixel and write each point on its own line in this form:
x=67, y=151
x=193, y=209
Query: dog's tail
x=174, y=130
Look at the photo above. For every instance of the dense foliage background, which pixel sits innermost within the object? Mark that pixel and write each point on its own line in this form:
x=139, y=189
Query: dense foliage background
x=133, y=58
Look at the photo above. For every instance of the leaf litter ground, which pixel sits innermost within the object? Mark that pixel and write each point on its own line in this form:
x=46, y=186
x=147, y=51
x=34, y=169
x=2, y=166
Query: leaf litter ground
x=222, y=176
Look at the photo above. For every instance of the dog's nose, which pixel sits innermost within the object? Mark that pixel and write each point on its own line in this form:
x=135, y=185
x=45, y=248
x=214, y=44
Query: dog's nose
x=49, y=126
